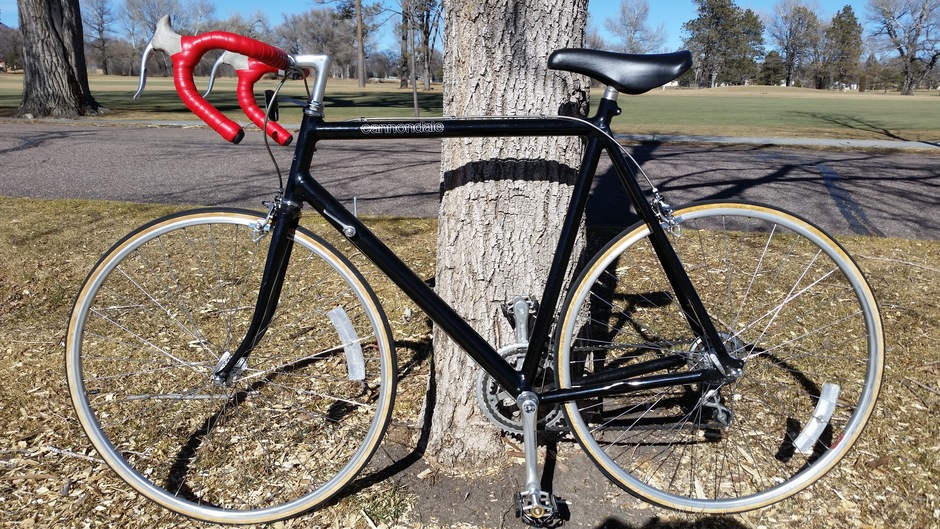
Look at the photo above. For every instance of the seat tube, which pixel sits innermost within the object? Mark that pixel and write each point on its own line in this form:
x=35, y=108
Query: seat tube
x=563, y=253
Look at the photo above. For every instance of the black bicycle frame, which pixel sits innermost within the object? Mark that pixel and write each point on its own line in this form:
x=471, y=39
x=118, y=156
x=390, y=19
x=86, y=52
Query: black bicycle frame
x=302, y=187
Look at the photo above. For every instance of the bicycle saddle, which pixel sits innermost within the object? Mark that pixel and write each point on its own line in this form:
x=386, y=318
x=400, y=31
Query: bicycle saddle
x=629, y=74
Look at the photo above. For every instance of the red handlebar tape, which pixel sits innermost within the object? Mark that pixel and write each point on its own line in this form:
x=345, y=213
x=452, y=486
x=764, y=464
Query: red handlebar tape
x=246, y=100
x=193, y=48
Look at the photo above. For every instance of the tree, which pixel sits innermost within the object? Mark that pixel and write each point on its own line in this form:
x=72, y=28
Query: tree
x=912, y=28
x=795, y=28
x=742, y=49
x=98, y=17
x=405, y=69
x=255, y=26
x=321, y=30
x=360, y=47
x=11, y=42
x=725, y=42
x=358, y=18
x=201, y=15
x=816, y=65
x=844, y=45
x=631, y=28
x=141, y=17
x=382, y=63
x=502, y=200
x=427, y=15
x=56, y=81
x=593, y=39
x=772, y=71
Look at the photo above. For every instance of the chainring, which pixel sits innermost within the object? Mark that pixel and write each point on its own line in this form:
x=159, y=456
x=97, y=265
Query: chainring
x=500, y=408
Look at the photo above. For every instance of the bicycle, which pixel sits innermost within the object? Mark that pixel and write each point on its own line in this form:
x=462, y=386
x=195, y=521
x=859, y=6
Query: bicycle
x=234, y=367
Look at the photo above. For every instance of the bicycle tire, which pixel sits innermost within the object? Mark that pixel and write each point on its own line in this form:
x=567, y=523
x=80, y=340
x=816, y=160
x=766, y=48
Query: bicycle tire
x=786, y=298
x=301, y=418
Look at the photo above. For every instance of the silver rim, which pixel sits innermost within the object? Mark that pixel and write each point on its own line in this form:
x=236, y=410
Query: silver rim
x=665, y=445
x=156, y=316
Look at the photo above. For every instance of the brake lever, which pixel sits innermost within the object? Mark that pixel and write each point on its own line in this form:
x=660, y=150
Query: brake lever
x=164, y=38
x=235, y=60
x=249, y=72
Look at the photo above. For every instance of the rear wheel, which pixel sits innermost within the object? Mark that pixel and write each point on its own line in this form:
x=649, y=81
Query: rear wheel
x=786, y=299
x=303, y=414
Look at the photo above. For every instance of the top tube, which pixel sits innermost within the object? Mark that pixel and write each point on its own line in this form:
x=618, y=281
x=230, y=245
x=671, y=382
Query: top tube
x=468, y=127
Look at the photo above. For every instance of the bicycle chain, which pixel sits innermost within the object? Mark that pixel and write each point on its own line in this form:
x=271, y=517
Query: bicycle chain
x=554, y=421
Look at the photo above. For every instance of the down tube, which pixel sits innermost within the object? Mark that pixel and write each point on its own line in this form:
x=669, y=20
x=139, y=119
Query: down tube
x=439, y=311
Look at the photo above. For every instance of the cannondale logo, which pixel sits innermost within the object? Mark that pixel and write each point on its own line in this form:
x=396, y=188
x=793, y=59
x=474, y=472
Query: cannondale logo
x=422, y=127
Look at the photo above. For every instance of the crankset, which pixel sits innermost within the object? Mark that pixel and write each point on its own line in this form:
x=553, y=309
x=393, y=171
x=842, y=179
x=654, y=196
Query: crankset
x=500, y=408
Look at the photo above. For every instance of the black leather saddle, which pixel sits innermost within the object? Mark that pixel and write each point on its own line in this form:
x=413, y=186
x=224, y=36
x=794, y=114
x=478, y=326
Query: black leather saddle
x=629, y=74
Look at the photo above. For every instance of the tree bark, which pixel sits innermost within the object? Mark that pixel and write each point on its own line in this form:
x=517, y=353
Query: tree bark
x=404, y=69
x=503, y=200
x=360, y=45
x=55, y=83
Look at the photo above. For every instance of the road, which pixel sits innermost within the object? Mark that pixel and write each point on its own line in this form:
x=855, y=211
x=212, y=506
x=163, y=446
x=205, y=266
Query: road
x=868, y=193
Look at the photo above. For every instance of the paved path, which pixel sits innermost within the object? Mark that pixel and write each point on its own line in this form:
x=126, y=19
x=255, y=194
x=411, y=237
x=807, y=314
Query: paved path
x=892, y=144
x=860, y=192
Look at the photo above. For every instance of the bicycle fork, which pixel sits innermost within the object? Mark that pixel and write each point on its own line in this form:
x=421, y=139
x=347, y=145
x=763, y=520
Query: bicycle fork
x=285, y=217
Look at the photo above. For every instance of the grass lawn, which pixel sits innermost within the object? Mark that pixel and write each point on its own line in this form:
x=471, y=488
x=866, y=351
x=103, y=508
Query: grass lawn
x=785, y=112
x=733, y=111
x=159, y=101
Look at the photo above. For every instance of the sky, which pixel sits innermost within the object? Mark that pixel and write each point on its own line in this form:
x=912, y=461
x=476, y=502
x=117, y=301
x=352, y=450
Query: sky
x=671, y=13
x=674, y=13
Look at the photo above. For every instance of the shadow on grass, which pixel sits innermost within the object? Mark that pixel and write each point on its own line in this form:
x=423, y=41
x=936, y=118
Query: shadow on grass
x=709, y=522
x=164, y=101
x=855, y=123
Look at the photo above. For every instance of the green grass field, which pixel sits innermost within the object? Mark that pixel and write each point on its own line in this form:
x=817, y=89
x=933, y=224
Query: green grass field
x=734, y=111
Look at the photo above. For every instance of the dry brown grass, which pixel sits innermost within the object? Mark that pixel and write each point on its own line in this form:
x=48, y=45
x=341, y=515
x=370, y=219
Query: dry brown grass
x=49, y=477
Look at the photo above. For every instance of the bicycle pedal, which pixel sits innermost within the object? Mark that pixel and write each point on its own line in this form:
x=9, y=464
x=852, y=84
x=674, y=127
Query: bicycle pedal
x=541, y=509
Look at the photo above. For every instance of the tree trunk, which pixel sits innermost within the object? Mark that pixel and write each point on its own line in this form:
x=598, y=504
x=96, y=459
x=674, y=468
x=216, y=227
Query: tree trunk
x=403, y=68
x=503, y=200
x=56, y=81
x=360, y=45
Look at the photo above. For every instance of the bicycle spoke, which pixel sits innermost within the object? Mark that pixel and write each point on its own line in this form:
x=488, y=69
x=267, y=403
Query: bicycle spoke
x=783, y=299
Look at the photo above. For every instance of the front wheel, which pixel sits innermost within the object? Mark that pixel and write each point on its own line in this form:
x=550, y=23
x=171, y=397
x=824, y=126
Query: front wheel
x=786, y=299
x=303, y=413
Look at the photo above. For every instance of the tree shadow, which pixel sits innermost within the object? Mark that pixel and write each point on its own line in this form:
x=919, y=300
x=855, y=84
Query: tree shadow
x=856, y=123
x=843, y=192
x=609, y=206
x=708, y=522
x=178, y=476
